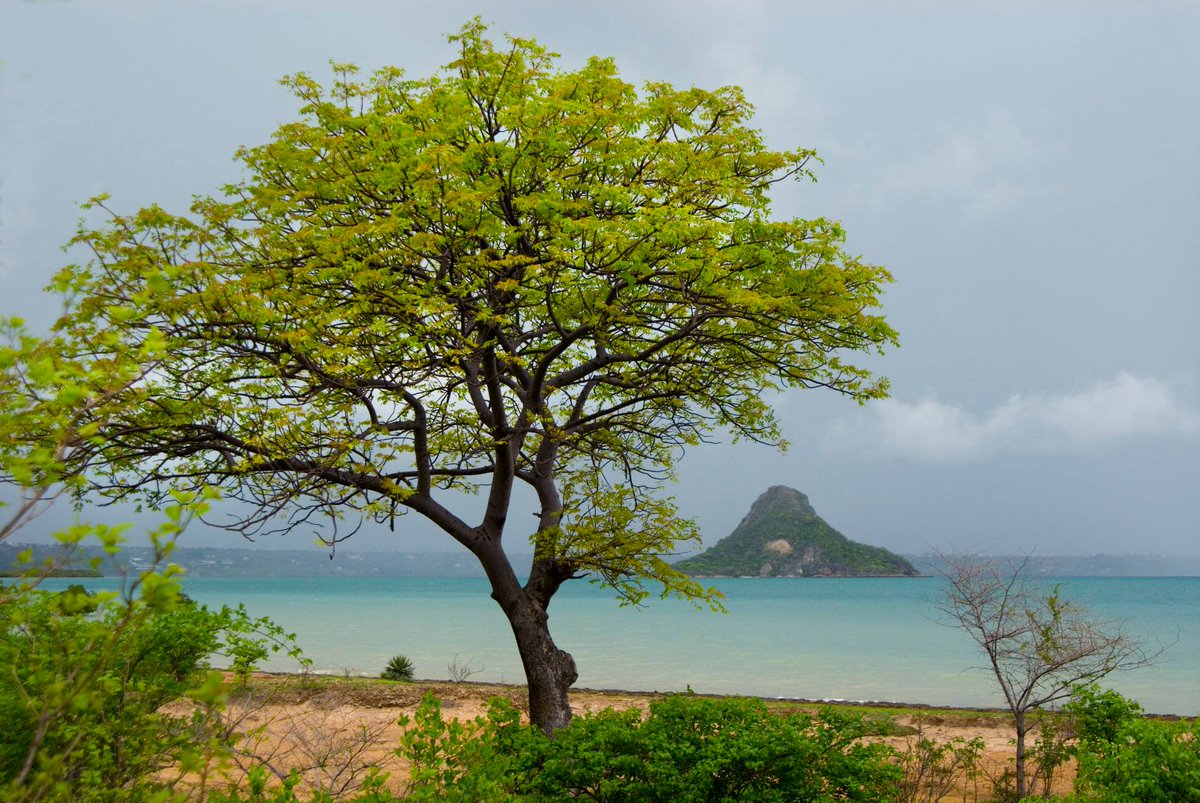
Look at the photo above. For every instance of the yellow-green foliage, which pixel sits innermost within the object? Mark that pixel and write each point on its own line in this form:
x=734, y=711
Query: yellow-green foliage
x=505, y=272
x=84, y=677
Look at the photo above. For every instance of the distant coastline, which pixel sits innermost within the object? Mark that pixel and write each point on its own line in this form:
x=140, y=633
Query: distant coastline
x=810, y=577
x=10, y=571
x=263, y=562
x=1098, y=565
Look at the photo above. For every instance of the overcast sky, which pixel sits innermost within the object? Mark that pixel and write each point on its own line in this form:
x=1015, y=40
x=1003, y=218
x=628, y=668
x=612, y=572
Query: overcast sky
x=1030, y=172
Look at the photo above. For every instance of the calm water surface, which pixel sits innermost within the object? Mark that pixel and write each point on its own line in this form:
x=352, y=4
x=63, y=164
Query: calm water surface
x=848, y=639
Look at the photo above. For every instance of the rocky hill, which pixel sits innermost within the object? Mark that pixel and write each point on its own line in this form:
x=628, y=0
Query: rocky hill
x=782, y=536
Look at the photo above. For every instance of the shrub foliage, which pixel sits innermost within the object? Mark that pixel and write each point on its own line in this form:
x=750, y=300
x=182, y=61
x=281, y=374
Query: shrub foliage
x=85, y=680
x=1123, y=756
x=684, y=749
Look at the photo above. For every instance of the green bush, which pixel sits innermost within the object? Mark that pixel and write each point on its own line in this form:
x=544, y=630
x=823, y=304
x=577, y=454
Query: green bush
x=84, y=679
x=398, y=668
x=1125, y=757
x=1100, y=714
x=472, y=762
x=686, y=749
x=697, y=749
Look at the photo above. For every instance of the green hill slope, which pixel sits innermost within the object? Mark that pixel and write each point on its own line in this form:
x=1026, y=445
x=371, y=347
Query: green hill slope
x=782, y=536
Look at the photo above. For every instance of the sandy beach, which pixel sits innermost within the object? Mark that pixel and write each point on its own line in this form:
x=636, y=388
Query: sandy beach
x=333, y=730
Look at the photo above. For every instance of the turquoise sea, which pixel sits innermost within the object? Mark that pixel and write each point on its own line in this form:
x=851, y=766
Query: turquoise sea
x=836, y=639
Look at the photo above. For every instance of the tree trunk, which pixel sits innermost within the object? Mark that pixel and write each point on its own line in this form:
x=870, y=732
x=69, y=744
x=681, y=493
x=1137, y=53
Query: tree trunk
x=549, y=671
x=1020, y=721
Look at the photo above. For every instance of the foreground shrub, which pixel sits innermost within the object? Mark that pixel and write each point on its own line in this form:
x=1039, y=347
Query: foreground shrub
x=686, y=749
x=484, y=759
x=697, y=749
x=84, y=679
x=932, y=768
x=1125, y=757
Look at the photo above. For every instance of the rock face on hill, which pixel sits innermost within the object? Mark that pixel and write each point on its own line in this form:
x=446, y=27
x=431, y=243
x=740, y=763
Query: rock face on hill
x=782, y=536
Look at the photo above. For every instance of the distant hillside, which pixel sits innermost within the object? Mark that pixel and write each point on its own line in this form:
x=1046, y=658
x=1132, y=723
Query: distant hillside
x=263, y=562
x=1082, y=565
x=782, y=536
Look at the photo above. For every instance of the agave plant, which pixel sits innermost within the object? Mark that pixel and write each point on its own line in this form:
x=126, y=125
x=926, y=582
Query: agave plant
x=398, y=668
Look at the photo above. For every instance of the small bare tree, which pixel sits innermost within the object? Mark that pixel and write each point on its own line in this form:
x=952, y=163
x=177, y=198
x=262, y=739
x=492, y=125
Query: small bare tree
x=1039, y=646
x=461, y=671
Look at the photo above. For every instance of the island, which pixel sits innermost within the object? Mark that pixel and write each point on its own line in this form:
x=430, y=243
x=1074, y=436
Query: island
x=782, y=536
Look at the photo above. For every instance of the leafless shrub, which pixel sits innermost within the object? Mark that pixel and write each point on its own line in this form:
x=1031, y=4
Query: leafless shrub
x=460, y=671
x=1039, y=646
x=313, y=741
x=933, y=769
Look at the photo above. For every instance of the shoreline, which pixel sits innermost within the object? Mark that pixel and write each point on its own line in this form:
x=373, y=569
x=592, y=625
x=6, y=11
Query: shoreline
x=621, y=694
x=871, y=641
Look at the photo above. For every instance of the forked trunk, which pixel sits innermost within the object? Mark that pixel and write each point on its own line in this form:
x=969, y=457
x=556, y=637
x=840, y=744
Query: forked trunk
x=549, y=670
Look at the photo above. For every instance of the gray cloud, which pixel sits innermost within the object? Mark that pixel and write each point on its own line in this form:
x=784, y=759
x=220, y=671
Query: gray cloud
x=1034, y=195
x=984, y=168
x=1127, y=407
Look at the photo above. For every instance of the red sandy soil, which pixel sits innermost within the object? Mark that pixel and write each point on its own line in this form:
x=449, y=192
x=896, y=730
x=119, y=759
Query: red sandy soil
x=334, y=730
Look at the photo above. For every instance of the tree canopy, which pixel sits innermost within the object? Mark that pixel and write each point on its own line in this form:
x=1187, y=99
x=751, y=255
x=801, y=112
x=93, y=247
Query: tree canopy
x=507, y=272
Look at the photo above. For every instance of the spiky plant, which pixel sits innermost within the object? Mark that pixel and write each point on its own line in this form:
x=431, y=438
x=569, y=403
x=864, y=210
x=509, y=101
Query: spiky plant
x=398, y=668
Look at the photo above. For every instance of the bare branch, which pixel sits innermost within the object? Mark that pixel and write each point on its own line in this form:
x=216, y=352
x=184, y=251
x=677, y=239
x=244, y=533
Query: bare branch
x=1039, y=646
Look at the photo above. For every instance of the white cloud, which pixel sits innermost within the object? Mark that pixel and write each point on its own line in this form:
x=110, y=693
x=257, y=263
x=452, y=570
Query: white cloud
x=1124, y=408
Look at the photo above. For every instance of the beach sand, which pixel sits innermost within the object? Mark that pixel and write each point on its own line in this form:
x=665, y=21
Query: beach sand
x=332, y=731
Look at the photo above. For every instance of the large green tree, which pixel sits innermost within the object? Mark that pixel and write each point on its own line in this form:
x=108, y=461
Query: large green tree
x=506, y=273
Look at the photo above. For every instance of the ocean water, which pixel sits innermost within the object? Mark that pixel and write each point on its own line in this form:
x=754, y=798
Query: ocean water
x=835, y=639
